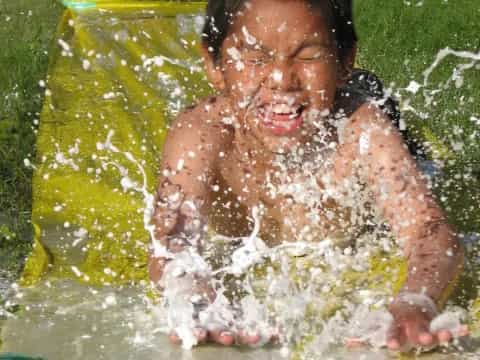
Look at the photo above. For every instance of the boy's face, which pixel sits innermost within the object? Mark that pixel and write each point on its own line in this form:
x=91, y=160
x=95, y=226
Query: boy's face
x=279, y=68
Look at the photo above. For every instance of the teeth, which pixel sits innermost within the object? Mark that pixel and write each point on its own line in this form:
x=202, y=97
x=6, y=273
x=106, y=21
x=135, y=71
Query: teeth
x=284, y=109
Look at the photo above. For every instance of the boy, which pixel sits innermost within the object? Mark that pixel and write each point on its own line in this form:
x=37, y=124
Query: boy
x=285, y=114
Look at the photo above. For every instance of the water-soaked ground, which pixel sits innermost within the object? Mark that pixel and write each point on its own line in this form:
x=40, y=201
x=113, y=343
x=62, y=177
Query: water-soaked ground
x=66, y=320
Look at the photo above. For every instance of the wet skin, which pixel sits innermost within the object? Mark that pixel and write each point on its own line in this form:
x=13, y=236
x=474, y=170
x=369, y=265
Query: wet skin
x=300, y=66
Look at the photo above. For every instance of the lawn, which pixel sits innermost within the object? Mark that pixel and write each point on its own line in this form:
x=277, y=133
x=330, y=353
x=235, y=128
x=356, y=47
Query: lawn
x=398, y=40
x=26, y=31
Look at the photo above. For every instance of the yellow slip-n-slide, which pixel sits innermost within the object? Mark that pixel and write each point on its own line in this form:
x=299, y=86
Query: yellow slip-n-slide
x=119, y=71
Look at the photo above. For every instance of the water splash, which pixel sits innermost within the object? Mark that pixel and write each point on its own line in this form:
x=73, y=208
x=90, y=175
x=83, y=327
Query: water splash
x=127, y=184
x=284, y=305
x=457, y=77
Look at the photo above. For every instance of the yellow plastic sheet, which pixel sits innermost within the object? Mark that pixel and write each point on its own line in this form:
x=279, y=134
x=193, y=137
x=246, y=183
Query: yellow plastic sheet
x=118, y=68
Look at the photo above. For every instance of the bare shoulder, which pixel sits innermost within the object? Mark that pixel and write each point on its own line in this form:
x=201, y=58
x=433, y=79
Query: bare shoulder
x=196, y=137
x=367, y=118
x=202, y=120
x=366, y=135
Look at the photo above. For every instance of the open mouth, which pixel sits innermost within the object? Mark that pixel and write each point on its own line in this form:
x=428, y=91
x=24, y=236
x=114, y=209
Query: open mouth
x=281, y=119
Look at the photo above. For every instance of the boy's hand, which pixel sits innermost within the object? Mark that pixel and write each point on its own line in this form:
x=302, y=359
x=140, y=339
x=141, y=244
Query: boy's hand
x=188, y=286
x=412, y=323
x=205, y=295
x=222, y=337
x=411, y=327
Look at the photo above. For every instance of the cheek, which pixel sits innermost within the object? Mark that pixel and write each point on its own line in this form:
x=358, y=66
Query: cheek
x=244, y=82
x=319, y=81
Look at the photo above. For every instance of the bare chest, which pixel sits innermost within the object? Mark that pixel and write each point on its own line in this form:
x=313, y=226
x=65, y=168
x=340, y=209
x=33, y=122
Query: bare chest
x=298, y=202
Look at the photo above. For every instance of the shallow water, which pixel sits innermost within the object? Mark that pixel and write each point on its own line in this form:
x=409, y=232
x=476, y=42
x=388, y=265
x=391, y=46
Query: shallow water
x=65, y=320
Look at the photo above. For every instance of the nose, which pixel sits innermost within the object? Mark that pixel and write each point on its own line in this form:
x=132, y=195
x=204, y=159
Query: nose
x=283, y=76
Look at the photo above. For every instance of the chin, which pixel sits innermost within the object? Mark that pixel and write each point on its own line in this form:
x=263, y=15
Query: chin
x=281, y=144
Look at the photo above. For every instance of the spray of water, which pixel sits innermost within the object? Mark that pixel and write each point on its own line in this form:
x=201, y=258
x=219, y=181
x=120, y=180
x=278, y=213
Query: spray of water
x=284, y=305
x=288, y=299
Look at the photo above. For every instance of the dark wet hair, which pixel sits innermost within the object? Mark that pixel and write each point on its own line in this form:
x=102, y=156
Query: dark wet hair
x=220, y=13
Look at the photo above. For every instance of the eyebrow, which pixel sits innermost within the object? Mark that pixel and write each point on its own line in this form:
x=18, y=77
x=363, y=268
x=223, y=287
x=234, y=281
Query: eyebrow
x=305, y=43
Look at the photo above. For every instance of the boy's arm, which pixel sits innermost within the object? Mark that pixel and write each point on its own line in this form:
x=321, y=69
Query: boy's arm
x=433, y=252
x=188, y=163
x=188, y=167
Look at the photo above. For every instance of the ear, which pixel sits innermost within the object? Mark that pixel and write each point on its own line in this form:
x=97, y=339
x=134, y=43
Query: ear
x=213, y=70
x=346, y=66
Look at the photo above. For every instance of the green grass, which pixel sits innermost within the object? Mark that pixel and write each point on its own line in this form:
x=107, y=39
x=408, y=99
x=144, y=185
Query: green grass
x=26, y=31
x=397, y=41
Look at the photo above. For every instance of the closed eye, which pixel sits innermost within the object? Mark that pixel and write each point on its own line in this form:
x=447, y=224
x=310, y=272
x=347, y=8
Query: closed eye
x=313, y=53
x=256, y=57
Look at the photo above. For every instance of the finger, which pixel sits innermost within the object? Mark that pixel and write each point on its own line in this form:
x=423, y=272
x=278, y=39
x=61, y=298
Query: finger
x=175, y=339
x=426, y=339
x=418, y=333
x=225, y=338
x=248, y=338
x=394, y=344
x=444, y=336
x=395, y=338
x=201, y=335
